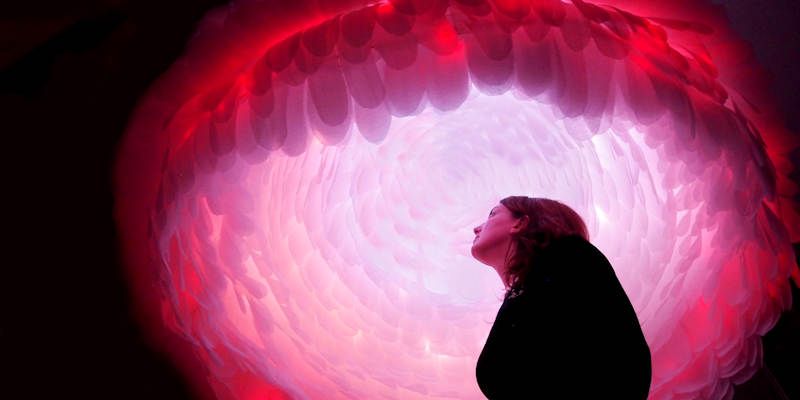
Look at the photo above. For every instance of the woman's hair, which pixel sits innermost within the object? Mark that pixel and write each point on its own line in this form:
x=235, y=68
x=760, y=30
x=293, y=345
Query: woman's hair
x=548, y=220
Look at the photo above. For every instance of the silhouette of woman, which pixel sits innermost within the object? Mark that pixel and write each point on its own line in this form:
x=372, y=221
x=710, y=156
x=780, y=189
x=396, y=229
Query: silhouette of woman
x=566, y=328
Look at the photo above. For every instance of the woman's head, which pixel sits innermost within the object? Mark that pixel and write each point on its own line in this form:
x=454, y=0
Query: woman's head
x=517, y=229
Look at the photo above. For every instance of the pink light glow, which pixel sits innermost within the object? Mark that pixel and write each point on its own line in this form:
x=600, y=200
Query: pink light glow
x=296, y=196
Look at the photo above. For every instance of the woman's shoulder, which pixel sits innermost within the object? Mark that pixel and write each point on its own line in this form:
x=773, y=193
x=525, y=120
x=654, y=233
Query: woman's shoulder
x=573, y=256
x=569, y=241
x=569, y=247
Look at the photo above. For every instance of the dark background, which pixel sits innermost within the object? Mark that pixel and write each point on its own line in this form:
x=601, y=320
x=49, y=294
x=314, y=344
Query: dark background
x=70, y=75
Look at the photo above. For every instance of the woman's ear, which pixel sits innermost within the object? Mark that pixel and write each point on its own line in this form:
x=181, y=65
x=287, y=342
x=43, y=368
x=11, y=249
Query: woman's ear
x=520, y=224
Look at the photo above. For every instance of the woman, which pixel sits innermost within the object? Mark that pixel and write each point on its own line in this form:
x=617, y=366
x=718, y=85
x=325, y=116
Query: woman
x=566, y=328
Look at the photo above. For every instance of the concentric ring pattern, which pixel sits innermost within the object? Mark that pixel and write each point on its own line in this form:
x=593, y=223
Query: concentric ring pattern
x=296, y=196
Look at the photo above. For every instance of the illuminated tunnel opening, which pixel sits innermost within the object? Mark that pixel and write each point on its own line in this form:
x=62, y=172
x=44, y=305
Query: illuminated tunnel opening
x=297, y=194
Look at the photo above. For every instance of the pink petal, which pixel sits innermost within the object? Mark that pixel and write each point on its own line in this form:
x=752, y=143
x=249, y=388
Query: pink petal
x=280, y=55
x=321, y=39
x=570, y=80
x=494, y=42
x=329, y=94
x=204, y=158
x=397, y=51
x=364, y=83
x=292, y=75
x=393, y=21
x=536, y=28
x=412, y=7
x=599, y=79
x=262, y=105
x=296, y=129
x=306, y=62
x=592, y=12
x=357, y=26
x=330, y=106
x=448, y=80
x=490, y=76
x=532, y=66
x=551, y=11
x=575, y=29
x=354, y=55
x=514, y=9
x=404, y=89
x=271, y=132
x=443, y=38
x=373, y=123
x=260, y=77
x=476, y=8
x=221, y=137
x=639, y=91
x=608, y=42
x=246, y=143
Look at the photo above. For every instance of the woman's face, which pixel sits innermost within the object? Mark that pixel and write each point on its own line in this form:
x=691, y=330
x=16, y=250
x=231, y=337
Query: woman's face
x=494, y=236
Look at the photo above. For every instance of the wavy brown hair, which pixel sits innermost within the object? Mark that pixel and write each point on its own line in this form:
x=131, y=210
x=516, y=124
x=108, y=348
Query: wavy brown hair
x=547, y=220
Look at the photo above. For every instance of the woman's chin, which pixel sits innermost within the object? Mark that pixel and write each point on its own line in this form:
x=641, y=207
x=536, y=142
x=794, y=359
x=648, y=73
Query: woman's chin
x=476, y=253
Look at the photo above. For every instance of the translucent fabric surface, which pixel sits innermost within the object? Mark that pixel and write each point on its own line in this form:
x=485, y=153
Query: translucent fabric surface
x=296, y=195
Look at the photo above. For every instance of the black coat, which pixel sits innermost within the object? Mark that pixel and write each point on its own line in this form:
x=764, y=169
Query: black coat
x=572, y=333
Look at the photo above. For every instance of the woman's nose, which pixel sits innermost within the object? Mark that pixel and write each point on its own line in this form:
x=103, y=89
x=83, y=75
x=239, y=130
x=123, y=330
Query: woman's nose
x=476, y=229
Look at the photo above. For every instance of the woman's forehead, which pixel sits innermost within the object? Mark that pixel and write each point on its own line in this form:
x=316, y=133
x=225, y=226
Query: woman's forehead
x=497, y=208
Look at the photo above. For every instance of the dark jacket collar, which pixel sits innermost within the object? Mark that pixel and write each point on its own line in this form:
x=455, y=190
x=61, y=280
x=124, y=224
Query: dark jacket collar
x=547, y=262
